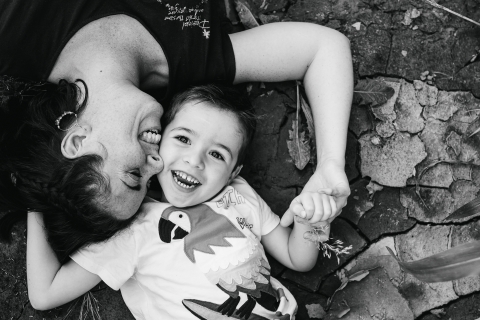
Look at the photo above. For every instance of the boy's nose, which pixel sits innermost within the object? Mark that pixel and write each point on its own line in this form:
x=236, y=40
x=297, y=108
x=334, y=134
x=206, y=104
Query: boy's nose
x=194, y=160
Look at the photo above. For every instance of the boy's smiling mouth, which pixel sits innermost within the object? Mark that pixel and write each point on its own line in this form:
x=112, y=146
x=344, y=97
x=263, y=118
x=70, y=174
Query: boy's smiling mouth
x=184, y=180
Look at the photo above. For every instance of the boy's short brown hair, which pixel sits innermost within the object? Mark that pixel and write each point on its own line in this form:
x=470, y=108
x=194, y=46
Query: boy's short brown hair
x=225, y=98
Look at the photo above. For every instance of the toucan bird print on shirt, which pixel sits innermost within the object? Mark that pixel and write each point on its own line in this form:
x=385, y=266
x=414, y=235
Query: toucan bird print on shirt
x=230, y=259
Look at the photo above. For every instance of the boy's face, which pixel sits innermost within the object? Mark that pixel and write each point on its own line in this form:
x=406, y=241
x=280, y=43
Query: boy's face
x=199, y=149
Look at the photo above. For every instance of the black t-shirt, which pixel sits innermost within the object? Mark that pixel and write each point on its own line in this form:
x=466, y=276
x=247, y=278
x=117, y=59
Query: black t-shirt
x=34, y=32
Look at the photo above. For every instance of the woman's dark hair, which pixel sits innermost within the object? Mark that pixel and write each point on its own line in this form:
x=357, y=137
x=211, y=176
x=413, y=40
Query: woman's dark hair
x=225, y=98
x=35, y=176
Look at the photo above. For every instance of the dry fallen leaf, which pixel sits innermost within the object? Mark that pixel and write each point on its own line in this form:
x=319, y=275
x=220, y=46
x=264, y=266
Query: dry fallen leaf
x=246, y=16
x=470, y=209
x=307, y=111
x=230, y=12
x=372, y=92
x=453, y=264
x=298, y=146
x=359, y=275
x=344, y=310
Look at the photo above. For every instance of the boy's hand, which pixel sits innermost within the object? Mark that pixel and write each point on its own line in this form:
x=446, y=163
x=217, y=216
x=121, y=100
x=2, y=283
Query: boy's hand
x=311, y=206
x=330, y=175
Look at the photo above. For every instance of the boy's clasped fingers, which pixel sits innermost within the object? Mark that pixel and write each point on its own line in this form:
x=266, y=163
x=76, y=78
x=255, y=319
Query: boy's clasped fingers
x=314, y=206
x=324, y=207
x=311, y=206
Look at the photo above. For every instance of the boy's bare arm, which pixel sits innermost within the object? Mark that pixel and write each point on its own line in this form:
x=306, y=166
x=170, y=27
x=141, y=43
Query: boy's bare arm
x=290, y=248
x=49, y=283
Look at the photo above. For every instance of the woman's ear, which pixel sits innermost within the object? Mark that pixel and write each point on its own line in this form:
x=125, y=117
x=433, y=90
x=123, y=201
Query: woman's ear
x=83, y=89
x=76, y=142
x=235, y=173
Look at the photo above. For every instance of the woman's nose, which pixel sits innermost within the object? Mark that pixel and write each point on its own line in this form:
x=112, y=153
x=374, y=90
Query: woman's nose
x=155, y=163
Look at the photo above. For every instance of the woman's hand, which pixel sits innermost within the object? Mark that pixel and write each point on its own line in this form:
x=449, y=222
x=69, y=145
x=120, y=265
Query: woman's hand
x=329, y=178
x=330, y=175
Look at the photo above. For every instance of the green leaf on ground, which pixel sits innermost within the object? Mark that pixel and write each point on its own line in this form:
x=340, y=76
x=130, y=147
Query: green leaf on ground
x=453, y=264
x=372, y=92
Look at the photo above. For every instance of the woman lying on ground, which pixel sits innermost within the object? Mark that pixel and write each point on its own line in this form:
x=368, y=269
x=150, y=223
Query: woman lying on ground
x=109, y=67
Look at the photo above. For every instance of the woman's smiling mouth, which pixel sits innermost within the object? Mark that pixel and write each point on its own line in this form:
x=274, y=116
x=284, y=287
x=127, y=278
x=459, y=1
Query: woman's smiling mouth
x=184, y=180
x=151, y=136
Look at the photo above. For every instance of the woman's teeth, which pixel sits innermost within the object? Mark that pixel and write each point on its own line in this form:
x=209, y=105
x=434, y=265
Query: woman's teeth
x=151, y=136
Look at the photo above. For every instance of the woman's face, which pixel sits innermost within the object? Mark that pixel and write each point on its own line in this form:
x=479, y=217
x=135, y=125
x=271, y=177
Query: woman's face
x=125, y=121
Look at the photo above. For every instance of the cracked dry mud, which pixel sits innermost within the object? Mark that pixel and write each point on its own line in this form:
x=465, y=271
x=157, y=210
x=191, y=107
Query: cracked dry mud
x=422, y=133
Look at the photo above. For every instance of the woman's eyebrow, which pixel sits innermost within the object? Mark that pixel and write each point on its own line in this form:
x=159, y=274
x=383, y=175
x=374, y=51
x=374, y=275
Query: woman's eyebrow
x=135, y=188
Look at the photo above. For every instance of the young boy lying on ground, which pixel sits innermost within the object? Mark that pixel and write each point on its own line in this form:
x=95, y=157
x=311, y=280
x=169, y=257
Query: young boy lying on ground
x=200, y=252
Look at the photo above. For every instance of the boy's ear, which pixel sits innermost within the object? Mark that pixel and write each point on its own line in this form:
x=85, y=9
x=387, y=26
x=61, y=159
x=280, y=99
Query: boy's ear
x=235, y=173
x=77, y=142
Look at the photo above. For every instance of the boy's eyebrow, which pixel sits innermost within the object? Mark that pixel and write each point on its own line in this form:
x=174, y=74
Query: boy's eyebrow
x=186, y=129
x=226, y=149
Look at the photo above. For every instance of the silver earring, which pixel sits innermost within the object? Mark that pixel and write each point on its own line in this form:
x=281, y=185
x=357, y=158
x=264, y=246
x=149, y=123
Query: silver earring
x=67, y=113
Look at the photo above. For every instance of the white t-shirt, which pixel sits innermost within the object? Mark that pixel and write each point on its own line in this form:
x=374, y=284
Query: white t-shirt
x=173, y=263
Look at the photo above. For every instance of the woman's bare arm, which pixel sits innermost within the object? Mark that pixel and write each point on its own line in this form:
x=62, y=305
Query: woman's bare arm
x=320, y=57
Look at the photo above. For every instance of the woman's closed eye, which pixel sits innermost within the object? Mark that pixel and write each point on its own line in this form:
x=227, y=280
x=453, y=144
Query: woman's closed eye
x=132, y=179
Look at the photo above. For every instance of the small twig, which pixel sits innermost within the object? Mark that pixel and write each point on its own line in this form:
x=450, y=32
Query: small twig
x=296, y=116
x=434, y=163
x=70, y=308
x=438, y=72
x=436, y=5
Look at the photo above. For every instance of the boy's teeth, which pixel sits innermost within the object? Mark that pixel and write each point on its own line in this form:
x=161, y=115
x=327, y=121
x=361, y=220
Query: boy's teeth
x=184, y=176
x=183, y=184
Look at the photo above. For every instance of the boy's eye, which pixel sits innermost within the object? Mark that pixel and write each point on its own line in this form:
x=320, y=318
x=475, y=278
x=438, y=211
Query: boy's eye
x=217, y=155
x=183, y=139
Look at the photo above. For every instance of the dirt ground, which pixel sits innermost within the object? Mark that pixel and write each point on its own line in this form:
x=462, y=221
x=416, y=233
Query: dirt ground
x=421, y=135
